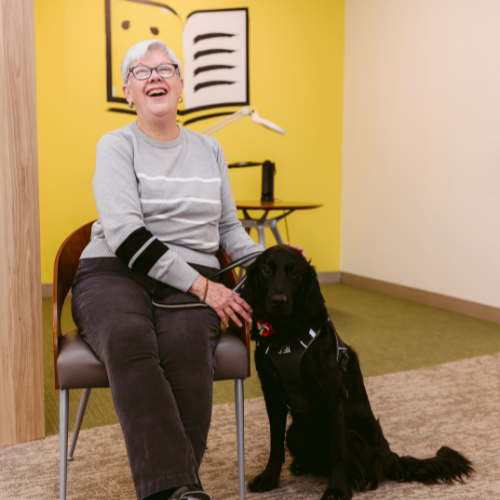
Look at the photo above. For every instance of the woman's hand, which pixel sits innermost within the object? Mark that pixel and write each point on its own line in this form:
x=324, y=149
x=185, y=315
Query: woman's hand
x=300, y=249
x=222, y=300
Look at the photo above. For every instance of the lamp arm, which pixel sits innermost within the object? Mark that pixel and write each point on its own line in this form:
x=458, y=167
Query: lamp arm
x=228, y=120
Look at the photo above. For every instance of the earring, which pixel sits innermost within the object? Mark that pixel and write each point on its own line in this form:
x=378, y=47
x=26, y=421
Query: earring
x=180, y=99
x=131, y=105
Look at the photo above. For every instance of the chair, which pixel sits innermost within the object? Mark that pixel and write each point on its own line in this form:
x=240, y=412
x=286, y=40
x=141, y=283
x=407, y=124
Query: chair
x=77, y=367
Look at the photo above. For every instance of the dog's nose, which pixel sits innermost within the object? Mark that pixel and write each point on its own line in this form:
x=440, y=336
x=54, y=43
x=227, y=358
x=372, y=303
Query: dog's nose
x=278, y=300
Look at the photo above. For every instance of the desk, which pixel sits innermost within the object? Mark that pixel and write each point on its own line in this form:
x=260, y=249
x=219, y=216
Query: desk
x=263, y=222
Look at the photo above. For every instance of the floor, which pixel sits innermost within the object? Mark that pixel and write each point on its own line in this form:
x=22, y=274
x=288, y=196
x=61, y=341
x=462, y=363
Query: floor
x=390, y=335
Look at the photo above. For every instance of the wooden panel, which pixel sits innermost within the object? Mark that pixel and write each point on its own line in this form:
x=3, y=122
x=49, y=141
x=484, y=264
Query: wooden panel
x=21, y=354
x=460, y=306
x=329, y=277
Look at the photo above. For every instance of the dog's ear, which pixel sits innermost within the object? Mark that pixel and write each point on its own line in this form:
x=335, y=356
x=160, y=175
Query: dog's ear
x=249, y=292
x=314, y=301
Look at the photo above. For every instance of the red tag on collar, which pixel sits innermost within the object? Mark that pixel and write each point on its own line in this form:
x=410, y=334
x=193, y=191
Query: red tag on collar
x=265, y=329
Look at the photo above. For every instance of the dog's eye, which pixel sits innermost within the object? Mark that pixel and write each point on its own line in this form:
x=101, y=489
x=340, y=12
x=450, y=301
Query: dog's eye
x=294, y=272
x=266, y=270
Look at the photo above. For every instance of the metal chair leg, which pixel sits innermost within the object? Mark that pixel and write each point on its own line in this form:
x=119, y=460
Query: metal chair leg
x=238, y=387
x=81, y=412
x=63, y=441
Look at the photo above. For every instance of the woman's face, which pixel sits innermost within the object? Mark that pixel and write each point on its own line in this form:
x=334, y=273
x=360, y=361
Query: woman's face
x=149, y=104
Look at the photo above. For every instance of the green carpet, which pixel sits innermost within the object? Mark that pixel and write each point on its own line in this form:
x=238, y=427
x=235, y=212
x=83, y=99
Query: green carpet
x=390, y=335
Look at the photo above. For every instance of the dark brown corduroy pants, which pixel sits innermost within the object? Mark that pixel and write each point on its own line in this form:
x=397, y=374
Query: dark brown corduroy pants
x=160, y=365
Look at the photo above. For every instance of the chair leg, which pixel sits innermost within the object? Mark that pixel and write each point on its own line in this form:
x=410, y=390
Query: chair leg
x=238, y=386
x=81, y=412
x=63, y=441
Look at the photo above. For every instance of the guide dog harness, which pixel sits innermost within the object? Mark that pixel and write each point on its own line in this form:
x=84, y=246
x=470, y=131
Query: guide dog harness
x=287, y=361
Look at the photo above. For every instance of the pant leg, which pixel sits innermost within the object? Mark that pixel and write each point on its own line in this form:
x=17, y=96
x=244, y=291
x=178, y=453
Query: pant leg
x=187, y=342
x=115, y=317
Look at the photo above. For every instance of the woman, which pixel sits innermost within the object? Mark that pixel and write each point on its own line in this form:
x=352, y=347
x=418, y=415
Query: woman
x=165, y=205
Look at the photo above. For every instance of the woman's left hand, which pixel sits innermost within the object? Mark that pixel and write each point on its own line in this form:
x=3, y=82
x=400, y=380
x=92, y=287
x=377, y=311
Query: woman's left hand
x=300, y=249
x=222, y=300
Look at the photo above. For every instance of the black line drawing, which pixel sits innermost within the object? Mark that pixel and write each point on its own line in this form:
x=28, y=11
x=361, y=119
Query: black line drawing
x=213, y=83
x=209, y=52
x=206, y=36
x=201, y=69
x=214, y=49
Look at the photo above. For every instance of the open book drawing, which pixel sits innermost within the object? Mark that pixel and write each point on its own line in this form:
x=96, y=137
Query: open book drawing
x=211, y=44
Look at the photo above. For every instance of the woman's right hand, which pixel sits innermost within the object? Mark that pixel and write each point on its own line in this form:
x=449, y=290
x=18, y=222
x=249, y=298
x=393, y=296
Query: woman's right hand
x=222, y=300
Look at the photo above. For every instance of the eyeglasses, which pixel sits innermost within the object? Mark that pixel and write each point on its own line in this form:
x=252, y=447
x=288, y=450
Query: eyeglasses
x=165, y=70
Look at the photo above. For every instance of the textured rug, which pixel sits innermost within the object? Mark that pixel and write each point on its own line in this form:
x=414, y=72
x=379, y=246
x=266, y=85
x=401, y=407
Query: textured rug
x=455, y=404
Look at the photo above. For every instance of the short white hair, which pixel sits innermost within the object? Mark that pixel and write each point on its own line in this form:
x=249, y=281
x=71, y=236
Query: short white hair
x=140, y=50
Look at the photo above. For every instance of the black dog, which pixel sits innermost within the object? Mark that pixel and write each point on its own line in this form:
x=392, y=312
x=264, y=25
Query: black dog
x=333, y=430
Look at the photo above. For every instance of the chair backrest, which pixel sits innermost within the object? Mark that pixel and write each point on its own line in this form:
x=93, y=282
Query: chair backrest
x=65, y=267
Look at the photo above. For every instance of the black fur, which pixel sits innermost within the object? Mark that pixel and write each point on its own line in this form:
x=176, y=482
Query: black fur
x=340, y=439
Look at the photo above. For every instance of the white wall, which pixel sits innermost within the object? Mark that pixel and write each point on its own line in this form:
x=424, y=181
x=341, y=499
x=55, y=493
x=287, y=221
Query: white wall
x=421, y=147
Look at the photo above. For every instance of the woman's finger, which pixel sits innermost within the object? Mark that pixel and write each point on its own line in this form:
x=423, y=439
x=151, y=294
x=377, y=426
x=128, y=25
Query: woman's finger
x=223, y=318
x=244, y=304
x=300, y=249
x=233, y=316
x=239, y=310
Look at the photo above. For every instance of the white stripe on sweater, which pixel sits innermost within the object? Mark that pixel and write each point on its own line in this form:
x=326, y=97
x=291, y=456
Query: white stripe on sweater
x=179, y=219
x=136, y=255
x=177, y=179
x=199, y=243
x=185, y=198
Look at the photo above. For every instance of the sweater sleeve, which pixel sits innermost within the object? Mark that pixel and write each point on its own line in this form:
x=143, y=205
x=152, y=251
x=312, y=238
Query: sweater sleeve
x=118, y=205
x=233, y=237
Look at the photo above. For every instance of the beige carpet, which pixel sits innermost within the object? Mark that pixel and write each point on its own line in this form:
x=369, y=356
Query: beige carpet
x=455, y=404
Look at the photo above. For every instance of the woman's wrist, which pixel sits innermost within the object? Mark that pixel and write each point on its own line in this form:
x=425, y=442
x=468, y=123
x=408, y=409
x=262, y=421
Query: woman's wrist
x=206, y=291
x=198, y=287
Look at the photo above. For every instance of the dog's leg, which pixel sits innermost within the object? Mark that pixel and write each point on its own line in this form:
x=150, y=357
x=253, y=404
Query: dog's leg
x=337, y=485
x=327, y=376
x=275, y=398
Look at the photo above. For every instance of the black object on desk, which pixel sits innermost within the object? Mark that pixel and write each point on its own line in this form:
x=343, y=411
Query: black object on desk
x=268, y=172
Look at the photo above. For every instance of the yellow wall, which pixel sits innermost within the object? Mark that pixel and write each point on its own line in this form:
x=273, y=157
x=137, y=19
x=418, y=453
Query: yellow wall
x=296, y=74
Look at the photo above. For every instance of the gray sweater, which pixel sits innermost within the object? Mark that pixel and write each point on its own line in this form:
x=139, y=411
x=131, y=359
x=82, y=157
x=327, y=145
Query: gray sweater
x=164, y=204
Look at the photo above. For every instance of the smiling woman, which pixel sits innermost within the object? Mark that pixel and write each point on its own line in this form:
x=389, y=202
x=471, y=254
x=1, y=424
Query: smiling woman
x=148, y=84
x=165, y=206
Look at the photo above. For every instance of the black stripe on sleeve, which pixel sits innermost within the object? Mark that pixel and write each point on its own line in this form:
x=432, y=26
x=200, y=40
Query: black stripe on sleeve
x=132, y=244
x=150, y=256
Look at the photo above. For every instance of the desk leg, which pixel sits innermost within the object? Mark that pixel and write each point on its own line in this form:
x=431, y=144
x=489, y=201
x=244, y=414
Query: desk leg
x=274, y=229
x=262, y=236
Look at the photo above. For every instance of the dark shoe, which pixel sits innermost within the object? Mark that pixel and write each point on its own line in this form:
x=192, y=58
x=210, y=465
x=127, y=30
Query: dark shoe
x=195, y=495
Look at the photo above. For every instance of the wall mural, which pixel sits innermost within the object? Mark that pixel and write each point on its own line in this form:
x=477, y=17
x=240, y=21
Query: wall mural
x=212, y=44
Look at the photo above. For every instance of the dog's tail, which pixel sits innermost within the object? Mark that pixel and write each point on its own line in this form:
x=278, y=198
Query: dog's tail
x=447, y=466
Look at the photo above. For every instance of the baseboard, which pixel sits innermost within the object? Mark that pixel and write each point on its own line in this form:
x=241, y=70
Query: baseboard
x=46, y=290
x=465, y=307
x=329, y=277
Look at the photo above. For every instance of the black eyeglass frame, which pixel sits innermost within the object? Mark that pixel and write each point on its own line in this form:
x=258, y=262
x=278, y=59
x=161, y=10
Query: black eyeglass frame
x=131, y=70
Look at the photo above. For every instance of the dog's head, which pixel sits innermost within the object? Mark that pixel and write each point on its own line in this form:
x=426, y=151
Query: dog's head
x=281, y=281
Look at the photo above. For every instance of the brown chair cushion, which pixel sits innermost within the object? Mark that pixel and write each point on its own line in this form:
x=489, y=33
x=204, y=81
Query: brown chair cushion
x=79, y=367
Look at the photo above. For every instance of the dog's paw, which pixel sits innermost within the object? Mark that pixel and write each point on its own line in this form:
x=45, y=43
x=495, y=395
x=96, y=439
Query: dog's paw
x=264, y=482
x=337, y=494
x=298, y=468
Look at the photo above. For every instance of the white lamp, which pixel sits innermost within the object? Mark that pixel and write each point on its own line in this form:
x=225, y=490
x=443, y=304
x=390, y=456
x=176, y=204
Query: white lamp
x=245, y=111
